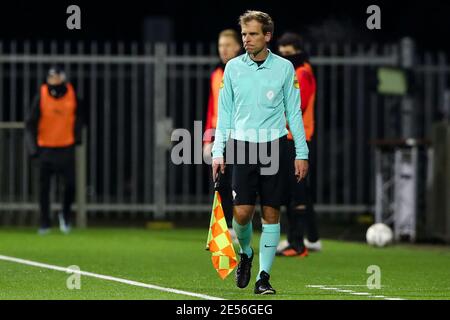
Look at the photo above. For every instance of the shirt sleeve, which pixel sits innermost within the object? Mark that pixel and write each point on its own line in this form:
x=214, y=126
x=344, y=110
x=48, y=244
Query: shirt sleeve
x=226, y=102
x=307, y=92
x=209, y=116
x=294, y=114
x=306, y=88
x=31, y=126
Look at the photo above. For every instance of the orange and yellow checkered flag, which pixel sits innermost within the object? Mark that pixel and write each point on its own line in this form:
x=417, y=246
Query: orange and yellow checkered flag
x=219, y=240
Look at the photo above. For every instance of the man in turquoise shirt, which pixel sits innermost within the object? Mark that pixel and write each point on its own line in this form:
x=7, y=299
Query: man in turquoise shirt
x=259, y=92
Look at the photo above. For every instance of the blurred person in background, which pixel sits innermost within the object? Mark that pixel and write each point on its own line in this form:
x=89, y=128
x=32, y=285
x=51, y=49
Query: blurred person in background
x=53, y=128
x=229, y=46
x=300, y=209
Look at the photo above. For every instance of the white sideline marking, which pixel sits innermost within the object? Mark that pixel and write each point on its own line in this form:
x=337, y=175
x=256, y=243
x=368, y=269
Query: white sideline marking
x=360, y=293
x=336, y=285
x=342, y=285
x=99, y=276
x=345, y=291
x=316, y=286
x=324, y=287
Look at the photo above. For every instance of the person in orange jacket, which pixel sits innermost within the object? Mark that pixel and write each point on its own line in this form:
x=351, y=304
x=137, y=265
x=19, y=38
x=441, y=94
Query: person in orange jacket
x=229, y=46
x=300, y=209
x=53, y=128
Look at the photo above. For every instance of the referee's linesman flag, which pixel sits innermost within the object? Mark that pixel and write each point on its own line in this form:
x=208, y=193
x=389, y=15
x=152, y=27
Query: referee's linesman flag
x=219, y=239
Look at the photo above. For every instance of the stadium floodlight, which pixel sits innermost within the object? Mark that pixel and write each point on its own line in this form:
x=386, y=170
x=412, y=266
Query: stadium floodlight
x=392, y=81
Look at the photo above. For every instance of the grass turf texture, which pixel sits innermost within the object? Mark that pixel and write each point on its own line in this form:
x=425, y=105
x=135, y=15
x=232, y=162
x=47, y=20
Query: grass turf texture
x=177, y=259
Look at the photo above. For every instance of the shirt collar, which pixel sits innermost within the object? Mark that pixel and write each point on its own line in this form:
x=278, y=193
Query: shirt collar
x=267, y=64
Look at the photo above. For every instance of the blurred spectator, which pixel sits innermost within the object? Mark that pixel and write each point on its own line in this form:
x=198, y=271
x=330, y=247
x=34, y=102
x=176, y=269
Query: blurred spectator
x=53, y=128
x=300, y=209
x=229, y=46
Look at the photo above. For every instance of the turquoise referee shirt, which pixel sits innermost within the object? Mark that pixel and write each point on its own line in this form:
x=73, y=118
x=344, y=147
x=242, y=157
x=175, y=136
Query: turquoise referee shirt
x=254, y=103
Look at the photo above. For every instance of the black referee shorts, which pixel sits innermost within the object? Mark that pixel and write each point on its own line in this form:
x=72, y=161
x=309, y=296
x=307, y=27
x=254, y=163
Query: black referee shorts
x=258, y=170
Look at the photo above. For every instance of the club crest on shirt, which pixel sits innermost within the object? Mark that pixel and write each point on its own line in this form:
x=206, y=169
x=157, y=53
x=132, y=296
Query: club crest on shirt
x=296, y=85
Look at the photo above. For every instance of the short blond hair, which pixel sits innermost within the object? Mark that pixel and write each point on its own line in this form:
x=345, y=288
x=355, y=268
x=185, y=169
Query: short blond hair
x=230, y=33
x=261, y=17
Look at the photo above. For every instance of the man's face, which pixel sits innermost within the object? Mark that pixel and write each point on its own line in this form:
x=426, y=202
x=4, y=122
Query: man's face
x=253, y=38
x=55, y=80
x=228, y=48
x=288, y=50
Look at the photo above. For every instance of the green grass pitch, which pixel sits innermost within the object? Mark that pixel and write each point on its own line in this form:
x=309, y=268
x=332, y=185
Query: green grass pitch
x=177, y=259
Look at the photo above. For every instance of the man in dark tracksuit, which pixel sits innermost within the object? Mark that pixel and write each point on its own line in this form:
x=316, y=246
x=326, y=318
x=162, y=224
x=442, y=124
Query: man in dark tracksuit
x=53, y=128
x=300, y=210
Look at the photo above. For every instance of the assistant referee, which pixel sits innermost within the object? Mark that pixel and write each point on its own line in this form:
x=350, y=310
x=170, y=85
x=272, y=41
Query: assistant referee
x=259, y=93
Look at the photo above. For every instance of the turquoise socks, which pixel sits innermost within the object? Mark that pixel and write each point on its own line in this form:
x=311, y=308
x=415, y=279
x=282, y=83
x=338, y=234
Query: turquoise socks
x=244, y=235
x=268, y=246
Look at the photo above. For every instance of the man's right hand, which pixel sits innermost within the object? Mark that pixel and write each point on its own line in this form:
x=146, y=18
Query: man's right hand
x=217, y=164
x=207, y=147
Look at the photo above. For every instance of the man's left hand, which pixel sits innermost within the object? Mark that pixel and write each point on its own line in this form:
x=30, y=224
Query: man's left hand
x=301, y=169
